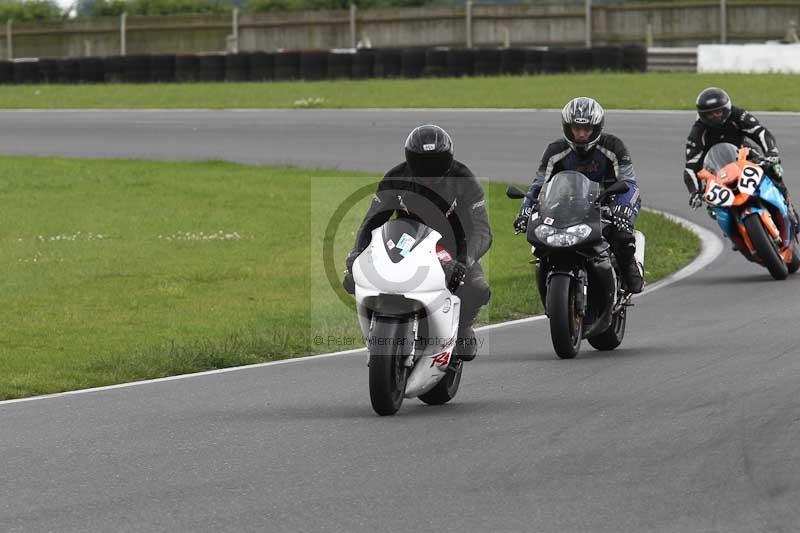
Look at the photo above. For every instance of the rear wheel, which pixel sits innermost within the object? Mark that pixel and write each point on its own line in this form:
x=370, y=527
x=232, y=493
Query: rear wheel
x=765, y=247
x=566, y=325
x=446, y=389
x=612, y=337
x=390, y=342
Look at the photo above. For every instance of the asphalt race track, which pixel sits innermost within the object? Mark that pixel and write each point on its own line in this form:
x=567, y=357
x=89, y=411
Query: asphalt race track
x=693, y=424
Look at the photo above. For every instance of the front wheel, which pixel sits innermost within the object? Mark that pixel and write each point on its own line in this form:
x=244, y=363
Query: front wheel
x=765, y=247
x=446, y=389
x=612, y=337
x=566, y=323
x=390, y=342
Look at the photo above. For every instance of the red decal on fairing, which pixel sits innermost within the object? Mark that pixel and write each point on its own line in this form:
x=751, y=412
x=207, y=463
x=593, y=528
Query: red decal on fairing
x=442, y=359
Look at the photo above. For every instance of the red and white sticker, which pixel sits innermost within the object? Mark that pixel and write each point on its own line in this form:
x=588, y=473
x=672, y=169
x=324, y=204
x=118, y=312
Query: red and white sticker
x=390, y=244
x=549, y=221
x=442, y=359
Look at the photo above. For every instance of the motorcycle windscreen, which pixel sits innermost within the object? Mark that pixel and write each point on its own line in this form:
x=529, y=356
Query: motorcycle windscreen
x=719, y=156
x=401, y=236
x=567, y=198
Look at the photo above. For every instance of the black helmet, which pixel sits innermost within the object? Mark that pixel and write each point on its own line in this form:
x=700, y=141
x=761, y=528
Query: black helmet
x=429, y=152
x=710, y=100
x=582, y=111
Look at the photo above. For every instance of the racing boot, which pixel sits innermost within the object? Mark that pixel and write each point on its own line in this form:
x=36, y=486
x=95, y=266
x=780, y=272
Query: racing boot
x=631, y=274
x=466, y=344
x=793, y=217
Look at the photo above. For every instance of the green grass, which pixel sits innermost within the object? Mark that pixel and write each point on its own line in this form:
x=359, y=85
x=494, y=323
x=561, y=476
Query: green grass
x=122, y=270
x=767, y=92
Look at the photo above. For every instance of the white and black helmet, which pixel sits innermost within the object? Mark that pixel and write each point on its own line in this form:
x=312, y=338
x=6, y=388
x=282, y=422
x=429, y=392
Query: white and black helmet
x=709, y=102
x=582, y=111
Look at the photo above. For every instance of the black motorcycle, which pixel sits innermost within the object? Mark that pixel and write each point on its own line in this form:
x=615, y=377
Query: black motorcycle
x=576, y=271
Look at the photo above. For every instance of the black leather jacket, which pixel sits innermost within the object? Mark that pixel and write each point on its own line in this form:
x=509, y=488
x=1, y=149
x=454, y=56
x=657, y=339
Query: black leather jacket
x=740, y=125
x=453, y=205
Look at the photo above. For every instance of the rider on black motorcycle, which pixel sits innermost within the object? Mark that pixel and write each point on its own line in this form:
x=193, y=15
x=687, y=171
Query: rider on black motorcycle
x=718, y=121
x=603, y=158
x=441, y=192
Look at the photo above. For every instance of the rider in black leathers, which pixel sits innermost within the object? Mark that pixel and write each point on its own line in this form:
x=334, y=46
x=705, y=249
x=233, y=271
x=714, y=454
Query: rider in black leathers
x=602, y=158
x=435, y=189
x=718, y=121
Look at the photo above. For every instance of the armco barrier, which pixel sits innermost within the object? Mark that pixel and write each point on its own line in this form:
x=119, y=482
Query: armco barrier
x=324, y=64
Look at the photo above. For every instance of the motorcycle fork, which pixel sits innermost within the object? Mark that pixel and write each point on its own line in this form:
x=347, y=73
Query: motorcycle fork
x=580, y=286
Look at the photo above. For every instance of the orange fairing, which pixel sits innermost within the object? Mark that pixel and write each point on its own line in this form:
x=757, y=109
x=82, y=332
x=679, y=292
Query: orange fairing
x=766, y=219
x=746, y=238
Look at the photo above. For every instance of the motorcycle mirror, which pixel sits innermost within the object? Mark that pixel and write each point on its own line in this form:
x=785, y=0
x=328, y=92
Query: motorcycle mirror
x=513, y=192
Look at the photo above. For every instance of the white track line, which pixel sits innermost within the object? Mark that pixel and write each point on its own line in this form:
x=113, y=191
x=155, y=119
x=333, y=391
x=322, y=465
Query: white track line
x=711, y=248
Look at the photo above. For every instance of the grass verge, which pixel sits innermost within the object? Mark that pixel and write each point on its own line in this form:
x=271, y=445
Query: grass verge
x=766, y=92
x=119, y=270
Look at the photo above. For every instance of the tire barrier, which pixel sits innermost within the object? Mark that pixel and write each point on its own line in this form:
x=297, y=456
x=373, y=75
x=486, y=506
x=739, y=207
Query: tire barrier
x=237, y=67
x=488, y=62
x=435, y=63
x=512, y=61
x=314, y=65
x=112, y=69
x=187, y=68
x=6, y=72
x=26, y=72
x=136, y=69
x=460, y=62
x=90, y=69
x=211, y=67
x=606, y=58
x=634, y=58
x=48, y=71
x=162, y=68
x=340, y=65
x=324, y=64
x=262, y=66
x=533, y=61
x=554, y=61
x=364, y=64
x=412, y=63
x=388, y=63
x=578, y=59
x=287, y=66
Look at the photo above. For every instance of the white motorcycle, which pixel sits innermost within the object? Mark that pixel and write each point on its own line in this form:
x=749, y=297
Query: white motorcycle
x=408, y=315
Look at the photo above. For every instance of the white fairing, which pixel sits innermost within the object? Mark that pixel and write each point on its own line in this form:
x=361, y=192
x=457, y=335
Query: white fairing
x=419, y=276
x=640, y=244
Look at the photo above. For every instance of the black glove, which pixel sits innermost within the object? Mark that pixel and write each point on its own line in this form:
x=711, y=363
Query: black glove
x=696, y=199
x=454, y=273
x=521, y=222
x=348, y=283
x=621, y=216
x=773, y=161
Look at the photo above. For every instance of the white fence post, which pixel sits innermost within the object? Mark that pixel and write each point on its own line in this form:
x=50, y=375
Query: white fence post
x=352, y=25
x=9, y=39
x=588, y=8
x=723, y=21
x=122, y=32
x=469, y=23
x=235, y=30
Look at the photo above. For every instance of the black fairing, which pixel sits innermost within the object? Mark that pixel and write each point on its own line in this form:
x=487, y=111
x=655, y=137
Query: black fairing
x=392, y=233
x=588, y=261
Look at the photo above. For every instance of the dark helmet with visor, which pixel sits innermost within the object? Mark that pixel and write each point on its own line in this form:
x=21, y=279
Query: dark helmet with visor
x=582, y=112
x=429, y=151
x=713, y=107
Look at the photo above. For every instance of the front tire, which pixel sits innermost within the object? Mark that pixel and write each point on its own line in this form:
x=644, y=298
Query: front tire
x=765, y=247
x=391, y=341
x=612, y=337
x=446, y=389
x=566, y=325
